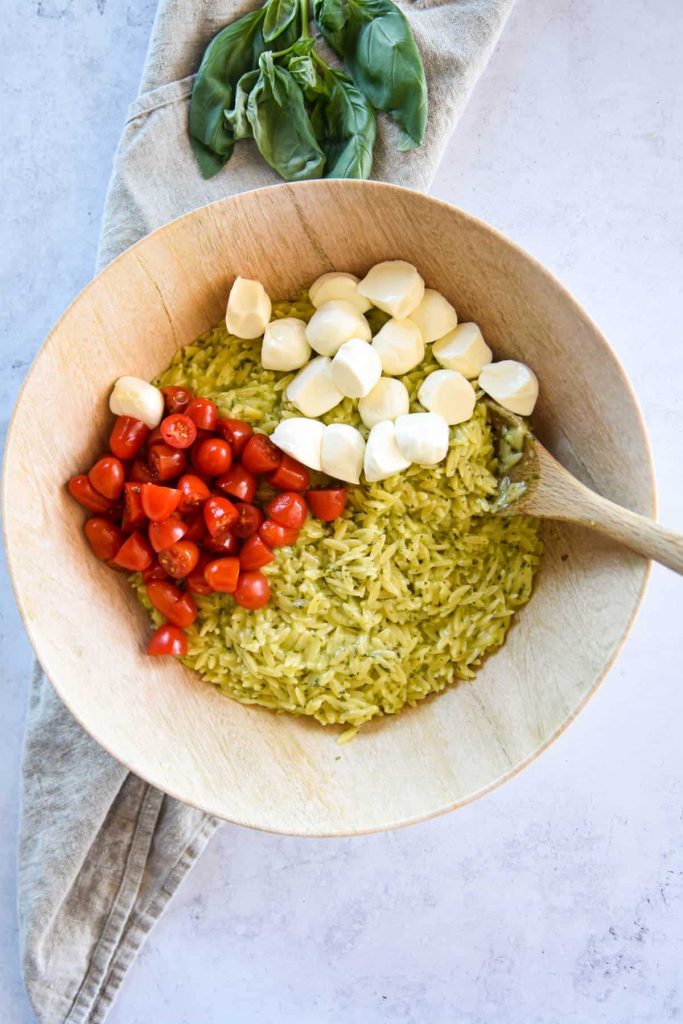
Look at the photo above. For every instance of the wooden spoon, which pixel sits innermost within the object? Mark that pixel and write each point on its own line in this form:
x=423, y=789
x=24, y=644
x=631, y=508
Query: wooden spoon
x=549, y=491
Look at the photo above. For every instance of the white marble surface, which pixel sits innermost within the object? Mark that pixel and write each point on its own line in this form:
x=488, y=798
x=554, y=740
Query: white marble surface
x=559, y=898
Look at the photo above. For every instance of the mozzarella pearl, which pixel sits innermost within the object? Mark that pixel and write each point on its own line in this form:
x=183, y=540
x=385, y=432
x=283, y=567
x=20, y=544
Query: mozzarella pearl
x=382, y=457
x=284, y=345
x=463, y=349
x=337, y=285
x=249, y=309
x=422, y=437
x=434, y=316
x=513, y=385
x=449, y=394
x=136, y=398
x=302, y=439
x=400, y=346
x=394, y=286
x=356, y=368
x=334, y=323
x=388, y=399
x=342, y=452
x=313, y=390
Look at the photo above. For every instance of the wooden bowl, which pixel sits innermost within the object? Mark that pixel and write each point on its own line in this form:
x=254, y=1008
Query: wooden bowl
x=245, y=764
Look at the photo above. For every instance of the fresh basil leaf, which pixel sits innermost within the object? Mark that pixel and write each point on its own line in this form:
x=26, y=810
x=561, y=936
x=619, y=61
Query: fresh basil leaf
x=374, y=39
x=236, y=119
x=302, y=68
x=346, y=128
x=210, y=163
x=281, y=126
x=279, y=14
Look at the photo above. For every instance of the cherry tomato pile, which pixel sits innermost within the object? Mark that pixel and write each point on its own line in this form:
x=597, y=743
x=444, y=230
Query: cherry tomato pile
x=177, y=504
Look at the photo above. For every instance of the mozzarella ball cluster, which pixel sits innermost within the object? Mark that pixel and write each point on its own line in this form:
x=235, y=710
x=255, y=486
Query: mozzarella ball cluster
x=337, y=357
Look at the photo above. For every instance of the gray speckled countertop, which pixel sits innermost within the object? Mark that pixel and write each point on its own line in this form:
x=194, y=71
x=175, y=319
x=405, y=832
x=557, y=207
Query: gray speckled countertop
x=557, y=898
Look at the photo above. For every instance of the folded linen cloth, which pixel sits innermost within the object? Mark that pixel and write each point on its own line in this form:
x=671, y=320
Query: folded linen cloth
x=100, y=851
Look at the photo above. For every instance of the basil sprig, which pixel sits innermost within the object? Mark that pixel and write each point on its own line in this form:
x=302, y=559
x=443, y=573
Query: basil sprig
x=262, y=78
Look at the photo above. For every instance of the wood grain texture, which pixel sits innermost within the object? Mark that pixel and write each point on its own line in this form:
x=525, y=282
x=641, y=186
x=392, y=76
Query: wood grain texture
x=245, y=764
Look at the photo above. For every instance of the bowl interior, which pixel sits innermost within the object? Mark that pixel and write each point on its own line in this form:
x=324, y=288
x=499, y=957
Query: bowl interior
x=244, y=764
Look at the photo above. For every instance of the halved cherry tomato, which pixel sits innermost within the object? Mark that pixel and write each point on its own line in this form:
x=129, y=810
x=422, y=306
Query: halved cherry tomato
x=127, y=437
x=253, y=590
x=133, y=512
x=159, y=502
x=203, y=412
x=178, y=431
x=104, y=537
x=180, y=559
x=196, y=527
x=275, y=535
x=219, y=515
x=260, y=455
x=193, y=492
x=222, y=574
x=139, y=472
x=250, y=518
x=288, y=509
x=166, y=532
x=290, y=475
x=230, y=545
x=167, y=598
x=154, y=572
x=176, y=398
x=107, y=476
x=255, y=553
x=195, y=580
x=167, y=640
x=82, y=490
x=134, y=554
x=166, y=463
x=236, y=432
x=238, y=482
x=327, y=504
x=212, y=456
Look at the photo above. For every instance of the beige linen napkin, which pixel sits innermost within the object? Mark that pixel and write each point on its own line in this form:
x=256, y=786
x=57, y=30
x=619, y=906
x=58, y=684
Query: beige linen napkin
x=101, y=852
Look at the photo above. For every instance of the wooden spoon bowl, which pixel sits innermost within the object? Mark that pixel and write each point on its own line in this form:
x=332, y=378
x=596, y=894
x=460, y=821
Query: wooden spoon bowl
x=245, y=764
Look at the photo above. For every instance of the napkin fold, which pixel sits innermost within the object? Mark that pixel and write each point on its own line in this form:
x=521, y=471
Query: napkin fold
x=100, y=851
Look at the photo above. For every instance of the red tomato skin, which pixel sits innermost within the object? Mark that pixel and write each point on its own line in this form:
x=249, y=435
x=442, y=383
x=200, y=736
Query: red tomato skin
x=249, y=519
x=104, y=537
x=82, y=490
x=222, y=575
x=155, y=437
x=107, y=477
x=176, y=398
x=167, y=640
x=212, y=456
x=176, y=606
x=135, y=554
x=159, y=502
x=180, y=559
x=255, y=554
x=196, y=527
x=133, y=513
x=203, y=412
x=327, y=504
x=253, y=590
x=229, y=546
x=166, y=463
x=236, y=433
x=260, y=455
x=178, y=431
x=193, y=492
x=154, y=572
x=290, y=475
x=238, y=482
x=219, y=515
x=275, y=535
x=289, y=509
x=139, y=472
x=127, y=437
x=195, y=580
x=166, y=532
